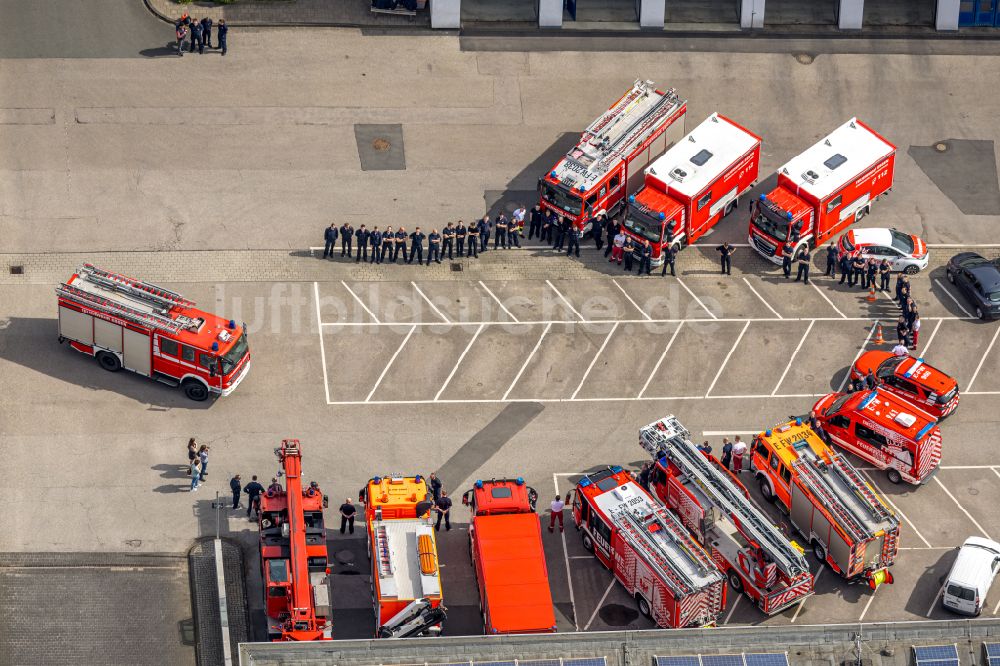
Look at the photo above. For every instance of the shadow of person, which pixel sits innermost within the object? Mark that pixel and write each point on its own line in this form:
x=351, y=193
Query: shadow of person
x=160, y=51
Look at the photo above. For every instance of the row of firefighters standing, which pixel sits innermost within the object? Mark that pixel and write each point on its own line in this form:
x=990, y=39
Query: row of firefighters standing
x=674, y=540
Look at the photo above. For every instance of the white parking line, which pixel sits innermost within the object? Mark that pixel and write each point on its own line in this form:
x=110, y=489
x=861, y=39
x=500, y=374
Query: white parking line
x=792, y=359
x=660, y=360
x=864, y=345
x=568, y=304
x=961, y=508
x=388, y=365
x=934, y=603
x=322, y=346
x=952, y=297
x=494, y=297
x=802, y=603
x=697, y=300
x=600, y=603
x=433, y=307
x=868, y=605
x=689, y=320
x=459, y=361
x=896, y=509
x=931, y=339
x=634, y=304
x=732, y=609
x=658, y=398
x=593, y=361
x=360, y=302
x=526, y=362
x=757, y=294
x=569, y=572
x=726, y=360
x=827, y=299
x=983, y=359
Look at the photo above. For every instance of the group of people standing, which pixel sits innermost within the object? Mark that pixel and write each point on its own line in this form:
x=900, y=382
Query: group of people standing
x=199, y=34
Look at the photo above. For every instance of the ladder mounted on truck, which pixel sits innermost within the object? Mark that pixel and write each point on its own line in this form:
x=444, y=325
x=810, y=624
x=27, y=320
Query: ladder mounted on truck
x=842, y=491
x=667, y=437
x=135, y=301
x=651, y=530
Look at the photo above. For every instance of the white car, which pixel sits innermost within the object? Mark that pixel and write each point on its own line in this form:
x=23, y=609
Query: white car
x=971, y=576
x=905, y=252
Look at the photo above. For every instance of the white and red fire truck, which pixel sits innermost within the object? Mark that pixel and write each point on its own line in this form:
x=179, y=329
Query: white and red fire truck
x=694, y=185
x=152, y=331
x=823, y=190
x=884, y=430
x=672, y=578
x=607, y=164
x=756, y=557
x=849, y=527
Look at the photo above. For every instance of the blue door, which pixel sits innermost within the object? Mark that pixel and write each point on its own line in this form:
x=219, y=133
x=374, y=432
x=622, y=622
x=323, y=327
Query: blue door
x=978, y=13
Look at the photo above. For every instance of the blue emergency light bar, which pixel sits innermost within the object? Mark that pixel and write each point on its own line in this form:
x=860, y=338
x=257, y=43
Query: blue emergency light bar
x=914, y=367
x=925, y=429
x=868, y=399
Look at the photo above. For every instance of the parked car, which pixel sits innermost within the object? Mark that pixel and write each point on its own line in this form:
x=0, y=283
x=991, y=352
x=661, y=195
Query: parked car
x=978, y=279
x=912, y=379
x=971, y=576
x=905, y=252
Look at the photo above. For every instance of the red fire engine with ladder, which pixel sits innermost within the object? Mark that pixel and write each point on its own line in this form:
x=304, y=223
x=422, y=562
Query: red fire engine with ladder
x=293, y=555
x=848, y=525
x=607, y=164
x=152, y=331
x=756, y=557
x=673, y=580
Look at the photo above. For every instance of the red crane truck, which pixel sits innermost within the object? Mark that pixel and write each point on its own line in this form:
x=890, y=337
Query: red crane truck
x=694, y=185
x=606, y=165
x=505, y=541
x=823, y=191
x=152, y=331
x=293, y=555
x=756, y=557
x=673, y=580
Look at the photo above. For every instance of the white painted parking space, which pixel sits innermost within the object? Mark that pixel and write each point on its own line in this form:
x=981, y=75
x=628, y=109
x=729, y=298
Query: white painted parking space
x=947, y=292
x=762, y=299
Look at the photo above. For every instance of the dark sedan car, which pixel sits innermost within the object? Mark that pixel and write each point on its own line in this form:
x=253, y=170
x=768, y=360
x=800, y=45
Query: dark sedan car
x=979, y=281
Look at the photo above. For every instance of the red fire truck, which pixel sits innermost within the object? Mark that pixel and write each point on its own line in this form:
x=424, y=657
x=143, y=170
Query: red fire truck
x=607, y=163
x=848, y=525
x=406, y=575
x=694, y=185
x=756, y=557
x=648, y=550
x=823, y=190
x=885, y=430
x=293, y=555
x=505, y=541
x=157, y=333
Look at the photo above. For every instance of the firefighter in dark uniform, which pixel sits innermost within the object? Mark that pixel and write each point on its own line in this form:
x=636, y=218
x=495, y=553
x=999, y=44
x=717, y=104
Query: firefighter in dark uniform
x=416, y=246
x=375, y=239
x=548, y=219
x=845, y=268
x=627, y=253
x=726, y=258
x=362, y=237
x=434, y=247
x=786, y=259
x=871, y=270
x=669, y=257
x=804, y=258
x=535, y=222
x=448, y=240
x=885, y=274
x=400, y=245
x=484, y=233
x=461, y=233
x=346, y=239
x=574, y=240
x=857, y=271
x=388, y=242
x=500, y=237
x=597, y=230
x=330, y=236
x=473, y=233
x=610, y=231
x=513, y=234
x=561, y=230
x=646, y=264
x=832, y=258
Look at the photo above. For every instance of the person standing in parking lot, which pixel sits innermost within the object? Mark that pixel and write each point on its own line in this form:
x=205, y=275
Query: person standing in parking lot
x=330, y=238
x=388, y=242
x=416, y=246
x=500, y=231
x=885, y=274
x=346, y=239
x=786, y=259
x=556, y=513
x=739, y=450
x=459, y=234
x=473, y=233
x=804, y=259
x=726, y=258
x=669, y=259
x=845, y=268
x=434, y=247
x=857, y=270
x=902, y=331
x=347, y=514
x=223, y=32
x=253, y=491
x=832, y=259
x=237, y=488
x=484, y=233
x=535, y=222
x=361, y=235
x=443, y=507
x=914, y=328
x=645, y=257
x=375, y=240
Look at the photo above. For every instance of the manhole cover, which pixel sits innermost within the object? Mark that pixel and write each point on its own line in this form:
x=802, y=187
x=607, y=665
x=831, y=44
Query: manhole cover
x=456, y=268
x=17, y=270
x=941, y=146
x=973, y=491
x=804, y=58
x=381, y=145
x=809, y=378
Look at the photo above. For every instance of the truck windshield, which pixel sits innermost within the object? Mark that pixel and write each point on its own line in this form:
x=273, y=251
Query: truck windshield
x=235, y=353
x=643, y=225
x=770, y=222
x=560, y=198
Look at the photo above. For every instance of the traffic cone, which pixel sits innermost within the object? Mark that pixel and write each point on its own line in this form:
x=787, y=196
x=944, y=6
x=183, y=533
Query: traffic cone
x=879, y=340
x=871, y=293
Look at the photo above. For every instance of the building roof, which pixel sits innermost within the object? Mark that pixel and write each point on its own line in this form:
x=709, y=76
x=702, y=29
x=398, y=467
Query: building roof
x=836, y=159
x=703, y=155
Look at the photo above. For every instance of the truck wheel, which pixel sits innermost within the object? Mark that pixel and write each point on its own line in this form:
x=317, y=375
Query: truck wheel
x=819, y=551
x=109, y=361
x=735, y=582
x=894, y=475
x=588, y=543
x=643, y=606
x=729, y=208
x=911, y=270
x=765, y=489
x=861, y=214
x=195, y=390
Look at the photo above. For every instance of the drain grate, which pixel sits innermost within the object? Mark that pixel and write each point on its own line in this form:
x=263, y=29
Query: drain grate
x=456, y=268
x=17, y=270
